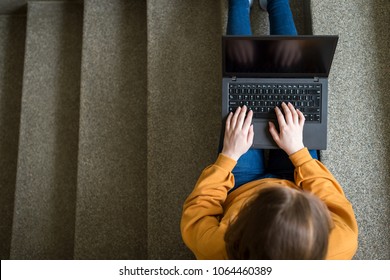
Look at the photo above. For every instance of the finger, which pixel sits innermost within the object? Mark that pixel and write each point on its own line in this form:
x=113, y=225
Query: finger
x=241, y=117
x=301, y=118
x=234, y=118
x=251, y=135
x=248, y=121
x=294, y=113
x=287, y=113
x=228, y=120
x=274, y=132
x=280, y=117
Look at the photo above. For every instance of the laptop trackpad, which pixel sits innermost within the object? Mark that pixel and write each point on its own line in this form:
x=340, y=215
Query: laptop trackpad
x=262, y=139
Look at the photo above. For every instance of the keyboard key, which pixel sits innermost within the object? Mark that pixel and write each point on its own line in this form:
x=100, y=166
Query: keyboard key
x=312, y=110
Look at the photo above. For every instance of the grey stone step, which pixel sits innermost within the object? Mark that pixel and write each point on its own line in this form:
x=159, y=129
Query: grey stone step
x=358, y=140
x=45, y=196
x=184, y=84
x=111, y=212
x=8, y=7
x=184, y=118
x=12, y=6
x=12, y=38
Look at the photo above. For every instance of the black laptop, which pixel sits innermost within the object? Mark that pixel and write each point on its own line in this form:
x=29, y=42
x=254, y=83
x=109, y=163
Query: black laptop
x=262, y=72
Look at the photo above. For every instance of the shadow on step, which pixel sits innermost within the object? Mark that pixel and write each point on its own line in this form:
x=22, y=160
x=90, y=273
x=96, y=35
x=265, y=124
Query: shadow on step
x=12, y=33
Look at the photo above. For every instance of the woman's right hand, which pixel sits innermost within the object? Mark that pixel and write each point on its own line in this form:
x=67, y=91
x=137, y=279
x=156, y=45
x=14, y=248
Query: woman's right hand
x=290, y=135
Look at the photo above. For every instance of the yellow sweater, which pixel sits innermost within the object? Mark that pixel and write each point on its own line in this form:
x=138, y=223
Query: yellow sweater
x=209, y=209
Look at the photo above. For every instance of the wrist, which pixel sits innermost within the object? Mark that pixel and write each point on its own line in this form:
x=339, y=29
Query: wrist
x=293, y=150
x=230, y=155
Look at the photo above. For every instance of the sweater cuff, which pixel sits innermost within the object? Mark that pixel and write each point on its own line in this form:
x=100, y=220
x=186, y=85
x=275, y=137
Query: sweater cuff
x=300, y=157
x=225, y=162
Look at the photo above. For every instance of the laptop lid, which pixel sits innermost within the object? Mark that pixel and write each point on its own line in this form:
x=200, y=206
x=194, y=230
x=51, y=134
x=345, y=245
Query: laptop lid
x=277, y=56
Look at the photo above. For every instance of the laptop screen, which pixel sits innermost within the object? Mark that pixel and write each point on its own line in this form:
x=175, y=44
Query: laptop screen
x=278, y=56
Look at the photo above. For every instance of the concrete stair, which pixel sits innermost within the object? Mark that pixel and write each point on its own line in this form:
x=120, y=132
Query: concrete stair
x=45, y=195
x=12, y=37
x=109, y=111
x=111, y=210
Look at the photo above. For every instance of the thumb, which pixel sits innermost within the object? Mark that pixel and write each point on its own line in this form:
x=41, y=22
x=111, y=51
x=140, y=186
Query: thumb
x=274, y=132
x=250, y=134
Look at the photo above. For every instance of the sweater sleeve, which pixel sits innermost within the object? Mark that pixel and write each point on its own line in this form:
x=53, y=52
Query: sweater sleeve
x=312, y=176
x=200, y=222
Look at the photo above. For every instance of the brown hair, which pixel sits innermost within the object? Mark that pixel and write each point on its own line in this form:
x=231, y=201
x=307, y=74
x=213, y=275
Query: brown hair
x=280, y=223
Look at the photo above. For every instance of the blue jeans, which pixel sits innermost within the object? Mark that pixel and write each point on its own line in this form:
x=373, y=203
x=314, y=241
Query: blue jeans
x=252, y=166
x=279, y=13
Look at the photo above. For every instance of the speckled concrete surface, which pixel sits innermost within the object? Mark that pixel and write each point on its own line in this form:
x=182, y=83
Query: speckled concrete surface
x=8, y=7
x=150, y=122
x=12, y=36
x=184, y=119
x=12, y=6
x=183, y=112
x=111, y=209
x=359, y=147
x=43, y=225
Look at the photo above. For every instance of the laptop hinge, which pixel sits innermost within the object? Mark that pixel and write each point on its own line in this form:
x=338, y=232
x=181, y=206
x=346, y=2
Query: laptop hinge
x=316, y=79
x=234, y=78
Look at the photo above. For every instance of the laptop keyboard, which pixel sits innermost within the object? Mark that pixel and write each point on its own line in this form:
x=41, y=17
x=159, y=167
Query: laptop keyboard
x=263, y=98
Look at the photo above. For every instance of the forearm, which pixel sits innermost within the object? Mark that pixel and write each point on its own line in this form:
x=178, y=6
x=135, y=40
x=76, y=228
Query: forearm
x=204, y=205
x=312, y=176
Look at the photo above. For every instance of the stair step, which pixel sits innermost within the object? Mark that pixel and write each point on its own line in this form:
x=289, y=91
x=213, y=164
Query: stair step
x=358, y=137
x=184, y=119
x=8, y=7
x=111, y=213
x=47, y=162
x=104, y=174
x=12, y=38
x=184, y=83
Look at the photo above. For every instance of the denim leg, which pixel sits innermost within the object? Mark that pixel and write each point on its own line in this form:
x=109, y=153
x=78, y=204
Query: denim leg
x=250, y=167
x=239, y=18
x=313, y=154
x=280, y=165
x=280, y=18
